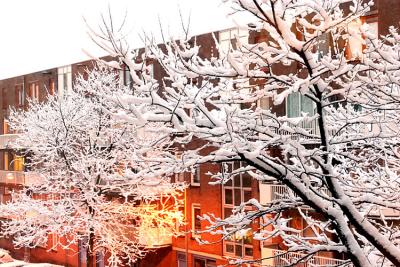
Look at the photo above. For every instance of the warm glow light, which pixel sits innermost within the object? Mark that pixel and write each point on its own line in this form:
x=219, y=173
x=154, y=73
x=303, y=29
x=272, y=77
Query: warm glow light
x=10, y=176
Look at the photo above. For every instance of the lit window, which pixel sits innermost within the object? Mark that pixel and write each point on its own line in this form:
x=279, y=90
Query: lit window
x=18, y=163
x=355, y=40
x=355, y=45
x=6, y=161
x=6, y=127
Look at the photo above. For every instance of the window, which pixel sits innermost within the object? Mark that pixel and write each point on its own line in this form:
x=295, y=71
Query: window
x=6, y=161
x=18, y=163
x=228, y=38
x=127, y=78
x=34, y=90
x=52, y=87
x=4, y=97
x=203, y=262
x=64, y=79
x=195, y=177
x=179, y=177
x=19, y=95
x=181, y=258
x=298, y=103
x=240, y=246
x=236, y=191
x=355, y=41
x=6, y=127
x=196, y=222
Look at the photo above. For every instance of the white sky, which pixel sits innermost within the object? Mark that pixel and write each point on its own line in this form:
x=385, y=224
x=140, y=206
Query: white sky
x=40, y=34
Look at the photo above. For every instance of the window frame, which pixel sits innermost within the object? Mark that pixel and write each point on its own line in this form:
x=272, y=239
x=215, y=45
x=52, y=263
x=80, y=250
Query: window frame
x=195, y=206
x=34, y=90
x=208, y=262
x=232, y=186
x=197, y=175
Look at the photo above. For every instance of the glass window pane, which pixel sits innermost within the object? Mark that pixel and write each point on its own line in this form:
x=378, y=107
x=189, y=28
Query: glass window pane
x=238, y=197
x=236, y=181
x=248, y=240
x=229, y=248
x=248, y=251
x=238, y=251
x=307, y=105
x=293, y=107
x=227, y=212
x=246, y=180
x=197, y=221
x=211, y=263
x=246, y=195
x=228, y=197
x=199, y=263
x=236, y=165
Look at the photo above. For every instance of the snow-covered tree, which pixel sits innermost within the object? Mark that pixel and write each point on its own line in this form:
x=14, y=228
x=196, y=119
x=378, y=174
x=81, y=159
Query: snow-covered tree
x=340, y=157
x=90, y=190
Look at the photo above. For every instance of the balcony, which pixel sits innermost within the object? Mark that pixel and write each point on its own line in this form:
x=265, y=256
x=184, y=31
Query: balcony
x=305, y=132
x=19, y=178
x=155, y=238
x=274, y=258
x=6, y=140
x=276, y=192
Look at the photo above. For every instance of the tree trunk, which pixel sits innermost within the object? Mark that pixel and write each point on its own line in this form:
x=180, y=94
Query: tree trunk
x=90, y=251
x=90, y=262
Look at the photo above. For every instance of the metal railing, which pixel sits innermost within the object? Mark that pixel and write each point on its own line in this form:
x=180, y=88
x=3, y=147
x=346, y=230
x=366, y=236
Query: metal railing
x=154, y=237
x=276, y=192
x=280, y=258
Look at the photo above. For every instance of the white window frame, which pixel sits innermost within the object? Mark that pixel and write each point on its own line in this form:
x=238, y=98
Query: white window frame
x=179, y=177
x=195, y=206
x=231, y=206
x=34, y=90
x=64, y=75
x=197, y=174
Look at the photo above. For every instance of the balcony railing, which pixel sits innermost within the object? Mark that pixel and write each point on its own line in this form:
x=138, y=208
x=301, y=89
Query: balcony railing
x=311, y=131
x=154, y=238
x=276, y=192
x=6, y=140
x=19, y=178
x=275, y=258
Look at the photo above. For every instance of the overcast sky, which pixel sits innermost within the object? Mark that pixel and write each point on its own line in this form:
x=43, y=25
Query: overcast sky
x=40, y=34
